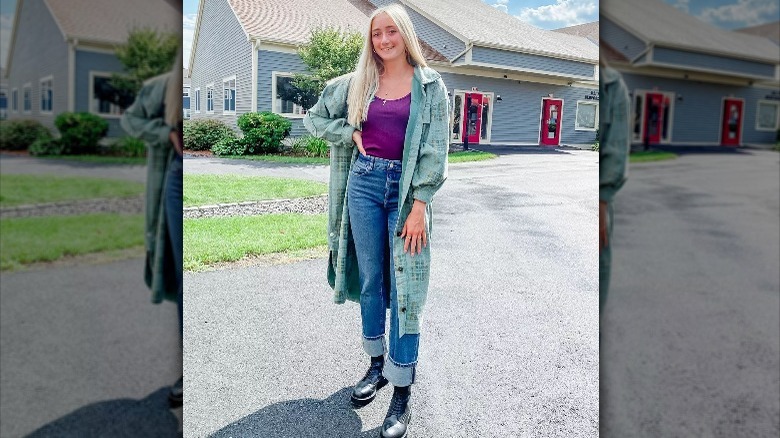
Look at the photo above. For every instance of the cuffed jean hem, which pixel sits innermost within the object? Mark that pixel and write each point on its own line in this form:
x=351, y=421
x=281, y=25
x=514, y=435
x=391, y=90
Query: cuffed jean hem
x=375, y=346
x=399, y=374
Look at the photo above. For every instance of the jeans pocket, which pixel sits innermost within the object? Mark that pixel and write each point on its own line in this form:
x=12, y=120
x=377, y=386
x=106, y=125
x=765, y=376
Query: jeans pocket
x=361, y=166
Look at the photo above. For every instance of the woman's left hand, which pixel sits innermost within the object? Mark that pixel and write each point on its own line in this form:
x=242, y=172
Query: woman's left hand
x=414, y=229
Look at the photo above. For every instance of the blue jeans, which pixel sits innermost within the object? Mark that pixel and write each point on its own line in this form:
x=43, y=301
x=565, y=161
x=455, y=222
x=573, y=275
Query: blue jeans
x=173, y=214
x=372, y=200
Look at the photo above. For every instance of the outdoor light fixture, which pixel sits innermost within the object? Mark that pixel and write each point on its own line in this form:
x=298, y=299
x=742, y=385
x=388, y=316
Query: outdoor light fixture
x=498, y=98
x=679, y=97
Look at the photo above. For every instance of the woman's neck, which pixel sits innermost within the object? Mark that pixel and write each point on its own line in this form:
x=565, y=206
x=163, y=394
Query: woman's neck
x=397, y=69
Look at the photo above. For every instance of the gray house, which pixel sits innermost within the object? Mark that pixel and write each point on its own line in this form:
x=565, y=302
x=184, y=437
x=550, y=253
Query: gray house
x=521, y=80
x=691, y=83
x=61, y=51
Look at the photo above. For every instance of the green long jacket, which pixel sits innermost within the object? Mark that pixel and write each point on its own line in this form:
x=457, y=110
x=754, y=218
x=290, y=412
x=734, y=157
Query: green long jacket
x=614, y=142
x=424, y=170
x=145, y=119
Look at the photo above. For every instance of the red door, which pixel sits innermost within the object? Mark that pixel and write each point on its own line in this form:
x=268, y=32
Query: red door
x=654, y=117
x=472, y=120
x=731, y=128
x=550, y=132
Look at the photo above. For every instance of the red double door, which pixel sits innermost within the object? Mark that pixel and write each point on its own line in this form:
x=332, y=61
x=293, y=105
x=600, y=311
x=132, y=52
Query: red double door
x=550, y=129
x=731, y=124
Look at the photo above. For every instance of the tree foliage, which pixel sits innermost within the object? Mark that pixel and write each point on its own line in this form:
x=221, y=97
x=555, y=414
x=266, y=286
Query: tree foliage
x=146, y=54
x=328, y=54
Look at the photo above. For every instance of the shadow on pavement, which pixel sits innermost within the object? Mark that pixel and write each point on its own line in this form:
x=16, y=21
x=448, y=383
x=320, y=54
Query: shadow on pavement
x=694, y=150
x=148, y=417
x=332, y=417
x=520, y=150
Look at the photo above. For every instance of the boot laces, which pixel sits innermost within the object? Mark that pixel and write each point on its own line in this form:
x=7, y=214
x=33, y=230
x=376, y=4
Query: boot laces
x=397, y=405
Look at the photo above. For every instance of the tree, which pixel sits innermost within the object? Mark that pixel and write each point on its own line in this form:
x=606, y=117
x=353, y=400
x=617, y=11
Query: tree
x=328, y=54
x=146, y=54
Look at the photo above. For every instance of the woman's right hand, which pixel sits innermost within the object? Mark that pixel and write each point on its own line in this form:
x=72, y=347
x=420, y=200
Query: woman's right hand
x=357, y=137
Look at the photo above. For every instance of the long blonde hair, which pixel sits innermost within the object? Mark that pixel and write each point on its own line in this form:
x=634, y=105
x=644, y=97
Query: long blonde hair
x=365, y=80
x=173, y=93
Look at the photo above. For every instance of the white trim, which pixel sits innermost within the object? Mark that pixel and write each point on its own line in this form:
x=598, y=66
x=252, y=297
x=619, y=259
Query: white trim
x=560, y=122
x=776, y=103
x=91, y=87
x=462, y=93
x=254, y=75
x=40, y=94
x=196, y=95
x=741, y=118
x=211, y=85
x=752, y=77
x=512, y=76
x=71, y=80
x=235, y=95
x=525, y=51
x=276, y=46
x=94, y=49
x=186, y=91
x=54, y=17
x=643, y=126
x=528, y=70
x=276, y=102
x=27, y=85
x=577, y=110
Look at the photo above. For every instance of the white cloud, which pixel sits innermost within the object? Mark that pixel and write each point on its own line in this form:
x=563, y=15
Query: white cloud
x=6, y=24
x=188, y=34
x=683, y=5
x=742, y=14
x=561, y=14
x=501, y=5
x=502, y=8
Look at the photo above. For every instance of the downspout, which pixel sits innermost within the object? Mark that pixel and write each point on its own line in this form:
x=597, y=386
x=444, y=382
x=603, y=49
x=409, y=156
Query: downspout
x=255, y=48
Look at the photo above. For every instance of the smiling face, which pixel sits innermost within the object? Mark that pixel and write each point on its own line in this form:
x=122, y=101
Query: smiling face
x=386, y=39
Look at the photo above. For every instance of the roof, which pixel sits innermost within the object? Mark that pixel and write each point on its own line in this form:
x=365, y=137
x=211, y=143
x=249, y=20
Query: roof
x=610, y=54
x=659, y=23
x=111, y=21
x=488, y=26
x=768, y=30
x=586, y=30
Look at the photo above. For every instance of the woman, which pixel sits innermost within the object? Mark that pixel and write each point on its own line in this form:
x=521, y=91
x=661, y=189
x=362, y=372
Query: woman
x=388, y=123
x=156, y=117
x=614, y=146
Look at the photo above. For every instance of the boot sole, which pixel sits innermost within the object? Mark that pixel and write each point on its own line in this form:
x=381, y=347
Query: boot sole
x=360, y=402
x=406, y=434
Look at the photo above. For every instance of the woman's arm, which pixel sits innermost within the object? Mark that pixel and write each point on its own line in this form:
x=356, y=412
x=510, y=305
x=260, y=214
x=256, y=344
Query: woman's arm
x=327, y=119
x=431, y=169
x=145, y=118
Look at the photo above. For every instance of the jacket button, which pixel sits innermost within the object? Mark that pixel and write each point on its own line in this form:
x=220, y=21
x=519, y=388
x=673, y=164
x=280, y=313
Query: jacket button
x=398, y=234
x=403, y=309
x=400, y=269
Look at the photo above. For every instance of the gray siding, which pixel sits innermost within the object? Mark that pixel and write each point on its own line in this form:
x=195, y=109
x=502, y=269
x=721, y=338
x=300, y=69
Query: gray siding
x=222, y=51
x=620, y=39
x=697, y=118
x=267, y=63
x=39, y=51
x=711, y=62
x=86, y=62
x=532, y=62
x=516, y=118
x=438, y=38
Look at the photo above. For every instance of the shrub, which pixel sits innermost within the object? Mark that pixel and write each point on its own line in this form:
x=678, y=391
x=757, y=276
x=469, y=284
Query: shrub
x=229, y=146
x=203, y=134
x=80, y=132
x=317, y=147
x=47, y=146
x=263, y=132
x=129, y=147
x=18, y=135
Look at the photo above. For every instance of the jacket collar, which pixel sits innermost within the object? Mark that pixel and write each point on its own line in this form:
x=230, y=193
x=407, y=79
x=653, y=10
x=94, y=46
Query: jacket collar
x=426, y=75
x=609, y=75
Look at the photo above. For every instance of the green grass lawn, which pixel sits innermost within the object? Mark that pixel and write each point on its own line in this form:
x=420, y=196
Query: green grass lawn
x=100, y=159
x=33, y=189
x=214, y=240
x=471, y=155
x=219, y=189
x=645, y=156
x=49, y=238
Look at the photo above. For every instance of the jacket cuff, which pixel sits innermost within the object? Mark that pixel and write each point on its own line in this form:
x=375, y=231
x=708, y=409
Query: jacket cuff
x=424, y=194
x=606, y=194
x=348, y=131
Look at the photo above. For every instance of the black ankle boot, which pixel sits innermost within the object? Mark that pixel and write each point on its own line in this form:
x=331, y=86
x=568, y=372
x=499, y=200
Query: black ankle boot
x=365, y=390
x=399, y=415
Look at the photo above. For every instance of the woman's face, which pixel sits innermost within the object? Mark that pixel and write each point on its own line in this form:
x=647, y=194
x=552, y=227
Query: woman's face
x=386, y=38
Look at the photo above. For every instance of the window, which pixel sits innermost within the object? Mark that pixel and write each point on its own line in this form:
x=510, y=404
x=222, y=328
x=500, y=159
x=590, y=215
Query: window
x=3, y=104
x=197, y=101
x=27, y=98
x=15, y=100
x=99, y=94
x=186, y=91
x=46, y=94
x=210, y=98
x=587, y=118
x=768, y=115
x=229, y=95
x=281, y=106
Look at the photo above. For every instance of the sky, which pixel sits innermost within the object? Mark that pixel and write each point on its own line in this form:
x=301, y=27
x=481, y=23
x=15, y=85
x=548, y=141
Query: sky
x=545, y=14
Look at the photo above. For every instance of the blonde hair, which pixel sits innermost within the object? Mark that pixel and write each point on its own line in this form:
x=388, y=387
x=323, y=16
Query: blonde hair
x=365, y=80
x=173, y=93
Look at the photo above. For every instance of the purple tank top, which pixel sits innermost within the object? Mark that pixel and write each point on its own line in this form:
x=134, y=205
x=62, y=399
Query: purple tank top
x=385, y=127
